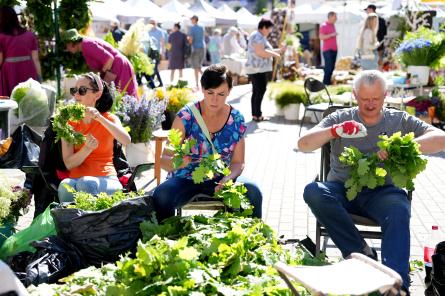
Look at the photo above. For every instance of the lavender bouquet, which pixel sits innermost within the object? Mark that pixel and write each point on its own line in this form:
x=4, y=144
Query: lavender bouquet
x=142, y=117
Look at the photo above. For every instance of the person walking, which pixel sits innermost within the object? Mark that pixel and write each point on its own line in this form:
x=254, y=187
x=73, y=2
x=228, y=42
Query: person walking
x=116, y=32
x=328, y=35
x=215, y=47
x=176, y=51
x=158, y=35
x=230, y=42
x=19, y=53
x=101, y=57
x=196, y=39
x=367, y=43
x=381, y=33
x=259, y=65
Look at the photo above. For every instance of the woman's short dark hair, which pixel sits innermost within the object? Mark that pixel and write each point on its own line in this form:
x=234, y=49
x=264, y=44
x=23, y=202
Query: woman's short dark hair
x=178, y=25
x=9, y=22
x=105, y=102
x=215, y=75
x=265, y=23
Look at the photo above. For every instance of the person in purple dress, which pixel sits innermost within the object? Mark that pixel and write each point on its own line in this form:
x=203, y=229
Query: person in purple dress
x=101, y=57
x=176, y=46
x=19, y=55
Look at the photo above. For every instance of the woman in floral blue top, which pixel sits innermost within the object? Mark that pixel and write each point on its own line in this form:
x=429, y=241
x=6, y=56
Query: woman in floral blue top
x=227, y=128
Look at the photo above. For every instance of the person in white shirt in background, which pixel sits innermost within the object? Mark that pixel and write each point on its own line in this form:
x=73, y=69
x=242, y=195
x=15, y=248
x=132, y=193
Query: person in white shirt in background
x=230, y=42
x=368, y=43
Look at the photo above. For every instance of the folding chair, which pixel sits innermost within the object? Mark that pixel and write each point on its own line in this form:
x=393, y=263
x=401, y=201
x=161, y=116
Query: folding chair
x=311, y=86
x=358, y=275
x=320, y=230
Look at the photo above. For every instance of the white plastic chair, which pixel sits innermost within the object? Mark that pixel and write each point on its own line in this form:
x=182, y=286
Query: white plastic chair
x=358, y=275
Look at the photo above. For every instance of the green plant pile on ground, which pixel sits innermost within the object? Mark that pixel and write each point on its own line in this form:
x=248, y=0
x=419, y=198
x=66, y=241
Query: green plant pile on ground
x=88, y=202
x=63, y=130
x=404, y=163
x=197, y=255
x=285, y=93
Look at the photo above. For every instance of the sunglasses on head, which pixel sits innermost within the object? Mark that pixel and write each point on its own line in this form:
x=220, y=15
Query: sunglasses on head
x=81, y=90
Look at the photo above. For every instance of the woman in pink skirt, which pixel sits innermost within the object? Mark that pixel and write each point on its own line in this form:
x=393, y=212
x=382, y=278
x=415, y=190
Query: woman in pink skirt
x=19, y=55
x=101, y=57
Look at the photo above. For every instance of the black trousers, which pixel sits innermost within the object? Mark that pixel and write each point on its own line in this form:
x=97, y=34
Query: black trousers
x=330, y=56
x=259, y=84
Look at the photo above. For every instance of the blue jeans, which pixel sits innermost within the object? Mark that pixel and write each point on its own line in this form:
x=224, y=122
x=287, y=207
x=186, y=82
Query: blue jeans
x=330, y=56
x=93, y=185
x=176, y=192
x=387, y=205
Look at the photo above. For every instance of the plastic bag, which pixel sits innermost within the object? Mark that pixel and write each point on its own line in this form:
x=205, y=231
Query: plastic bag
x=33, y=103
x=102, y=236
x=24, y=150
x=42, y=226
x=53, y=260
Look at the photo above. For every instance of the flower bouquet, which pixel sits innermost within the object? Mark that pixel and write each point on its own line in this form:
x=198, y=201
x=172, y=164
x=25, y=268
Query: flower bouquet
x=141, y=117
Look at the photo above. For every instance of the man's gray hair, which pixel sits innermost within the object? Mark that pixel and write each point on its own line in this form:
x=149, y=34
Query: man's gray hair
x=369, y=77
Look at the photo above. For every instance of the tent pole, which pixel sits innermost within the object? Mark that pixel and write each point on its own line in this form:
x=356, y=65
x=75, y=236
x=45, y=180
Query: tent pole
x=56, y=50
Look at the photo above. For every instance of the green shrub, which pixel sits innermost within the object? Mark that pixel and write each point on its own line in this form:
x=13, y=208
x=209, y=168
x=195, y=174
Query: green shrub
x=285, y=93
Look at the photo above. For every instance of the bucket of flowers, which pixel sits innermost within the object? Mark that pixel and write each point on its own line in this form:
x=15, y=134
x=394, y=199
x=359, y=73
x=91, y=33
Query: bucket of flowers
x=179, y=95
x=419, y=51
x=141, y=118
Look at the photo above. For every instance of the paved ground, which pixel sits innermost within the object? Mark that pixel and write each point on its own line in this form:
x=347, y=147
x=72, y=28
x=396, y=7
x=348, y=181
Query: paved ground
x=282, y=172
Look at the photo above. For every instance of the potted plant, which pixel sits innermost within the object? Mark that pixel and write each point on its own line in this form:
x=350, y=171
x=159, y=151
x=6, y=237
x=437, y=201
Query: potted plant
x=421, y=50
x=13, y=201
x=178, y=96
x=288, y=97
x=141, y=118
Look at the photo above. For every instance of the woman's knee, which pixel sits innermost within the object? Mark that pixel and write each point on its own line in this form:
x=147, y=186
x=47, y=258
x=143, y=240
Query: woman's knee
x=62, y=191
x=88, y=184
x=164, y=193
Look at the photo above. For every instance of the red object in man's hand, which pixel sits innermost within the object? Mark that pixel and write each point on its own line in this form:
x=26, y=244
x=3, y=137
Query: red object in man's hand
x=348, y=129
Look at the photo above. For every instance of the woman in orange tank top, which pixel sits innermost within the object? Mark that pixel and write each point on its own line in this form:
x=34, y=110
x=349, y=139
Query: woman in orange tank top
x=90, y=165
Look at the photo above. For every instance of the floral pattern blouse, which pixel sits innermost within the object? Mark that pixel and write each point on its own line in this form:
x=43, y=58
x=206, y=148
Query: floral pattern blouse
x=224, y=140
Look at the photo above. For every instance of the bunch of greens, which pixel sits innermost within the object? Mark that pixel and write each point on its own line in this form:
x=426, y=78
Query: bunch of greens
x=88, y=202
x=404, y=162
x=209, y=167
x=234, y=196
x=424, y=47
x=221, y=255
x=179, y=149
x=364, y=171
x=141, y=63
x=13, y=200
x=63, y=130
x=88, y=281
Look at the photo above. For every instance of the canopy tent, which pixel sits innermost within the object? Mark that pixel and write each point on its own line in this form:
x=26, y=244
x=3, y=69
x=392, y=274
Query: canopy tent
x=105, y=11
x=136, y=9
x=227, y=11
x=202, y=8
x=183, y=14
x=246, y=20
x=348, y=25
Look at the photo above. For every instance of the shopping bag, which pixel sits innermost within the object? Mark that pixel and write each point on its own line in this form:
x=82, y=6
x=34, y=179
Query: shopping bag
x=42, y=226
x=102, y=236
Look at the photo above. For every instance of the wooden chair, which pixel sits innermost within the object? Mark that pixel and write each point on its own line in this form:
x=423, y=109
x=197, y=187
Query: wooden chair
x=358, y=275
x=374, y=233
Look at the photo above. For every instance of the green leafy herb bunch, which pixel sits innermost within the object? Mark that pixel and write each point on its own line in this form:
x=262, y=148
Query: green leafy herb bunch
x=72, y=112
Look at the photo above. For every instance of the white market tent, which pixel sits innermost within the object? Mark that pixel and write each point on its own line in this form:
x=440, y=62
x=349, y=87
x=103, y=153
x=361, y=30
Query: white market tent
x=183, y=14
x=247, y=20
x=202, y=8
x=105, y=11
x=227, y=11
x=136, y=9
x=348, y=25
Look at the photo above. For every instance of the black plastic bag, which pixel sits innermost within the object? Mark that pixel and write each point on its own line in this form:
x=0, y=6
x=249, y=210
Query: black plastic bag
x=53, y=260
x=102, y=236
x=24, y=150
x=435, y=283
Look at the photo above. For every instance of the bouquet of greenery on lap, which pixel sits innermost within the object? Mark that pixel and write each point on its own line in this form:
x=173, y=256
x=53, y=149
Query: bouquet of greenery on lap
x=424, y=47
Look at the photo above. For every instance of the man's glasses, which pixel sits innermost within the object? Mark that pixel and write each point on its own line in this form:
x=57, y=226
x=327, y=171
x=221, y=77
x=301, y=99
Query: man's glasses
x=82, y=90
